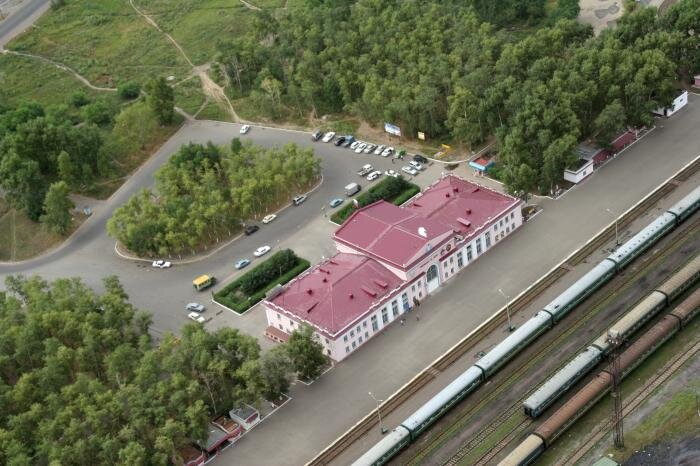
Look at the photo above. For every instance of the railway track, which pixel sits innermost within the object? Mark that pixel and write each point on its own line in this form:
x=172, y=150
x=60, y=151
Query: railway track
x=633, y=402
x=682, y=235
x=520, y=302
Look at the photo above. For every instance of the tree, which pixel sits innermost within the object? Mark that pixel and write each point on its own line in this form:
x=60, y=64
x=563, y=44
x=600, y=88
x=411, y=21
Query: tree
x=79, y=99
x=99, y=113
x=161, y=100
x=21, y=179
x=306, y=353
x=66, y=170
x=57, y=206
x=129, y=90
x=609, y=122
x=275, y=371
x=236, y=145
x=133, y=128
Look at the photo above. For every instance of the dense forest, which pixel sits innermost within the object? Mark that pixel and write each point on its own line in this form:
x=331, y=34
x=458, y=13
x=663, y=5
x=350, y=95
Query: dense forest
x=82, y=382
x=452, y=71
x=204, y=192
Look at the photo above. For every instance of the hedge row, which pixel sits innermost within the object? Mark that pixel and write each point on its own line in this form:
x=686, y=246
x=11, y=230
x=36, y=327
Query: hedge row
x=228, y=296
x=396, y=190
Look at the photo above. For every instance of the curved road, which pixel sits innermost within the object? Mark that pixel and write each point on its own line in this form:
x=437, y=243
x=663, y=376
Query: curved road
x=89, y=253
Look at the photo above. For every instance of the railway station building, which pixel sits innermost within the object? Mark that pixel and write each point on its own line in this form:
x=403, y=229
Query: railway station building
x=389, y=259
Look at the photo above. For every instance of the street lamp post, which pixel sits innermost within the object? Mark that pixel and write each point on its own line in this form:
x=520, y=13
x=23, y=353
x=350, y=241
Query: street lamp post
x=379, y=413
x=510, y=326
x=617, y=240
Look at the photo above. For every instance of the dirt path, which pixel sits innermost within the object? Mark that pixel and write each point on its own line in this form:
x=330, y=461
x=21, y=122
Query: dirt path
x=209, y=87
x=63, y=67
x=253, y=7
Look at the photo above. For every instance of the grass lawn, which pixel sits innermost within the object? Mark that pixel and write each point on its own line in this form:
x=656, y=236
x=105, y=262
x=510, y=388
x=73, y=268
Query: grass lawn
x=189, y=95
x=48, y=85
x=214, y=111
x=21, y=239
x=105, y=41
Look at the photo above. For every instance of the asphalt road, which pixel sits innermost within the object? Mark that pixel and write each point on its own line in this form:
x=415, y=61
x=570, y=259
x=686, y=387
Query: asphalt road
x=21, y=19
x=89, y=254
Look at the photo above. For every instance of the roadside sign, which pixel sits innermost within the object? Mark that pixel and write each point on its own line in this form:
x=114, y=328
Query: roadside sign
x=392, y=129
x=421, y=135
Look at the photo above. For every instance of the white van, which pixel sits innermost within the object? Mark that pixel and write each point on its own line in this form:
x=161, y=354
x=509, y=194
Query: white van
x=352, y=189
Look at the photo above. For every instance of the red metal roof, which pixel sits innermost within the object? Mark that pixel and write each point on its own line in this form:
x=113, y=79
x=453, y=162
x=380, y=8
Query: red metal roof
x=337, y=291
x=463, y=206
x=390, y=233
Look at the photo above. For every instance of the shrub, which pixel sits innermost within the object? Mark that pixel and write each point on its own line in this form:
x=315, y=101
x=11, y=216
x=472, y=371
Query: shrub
x=250, y=288
x=130, y=90
x=396, y=190
x=98, y=112
x=79, y=99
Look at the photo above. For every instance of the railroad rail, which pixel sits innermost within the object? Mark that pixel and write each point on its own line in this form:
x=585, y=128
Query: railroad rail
x=516, y=408
x=498, y=318
x=633, y=402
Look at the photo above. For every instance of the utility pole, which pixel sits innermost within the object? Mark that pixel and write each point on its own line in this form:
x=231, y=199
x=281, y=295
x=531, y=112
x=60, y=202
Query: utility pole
x=618, y=430
x=617, y=238
x=510, y=326
x=383, y=429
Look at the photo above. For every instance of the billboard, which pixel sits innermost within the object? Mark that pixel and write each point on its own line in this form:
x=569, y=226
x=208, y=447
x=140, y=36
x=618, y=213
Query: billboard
x=392, y=129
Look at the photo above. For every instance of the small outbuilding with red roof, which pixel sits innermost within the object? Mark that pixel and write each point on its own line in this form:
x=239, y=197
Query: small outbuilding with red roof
x=389, y=259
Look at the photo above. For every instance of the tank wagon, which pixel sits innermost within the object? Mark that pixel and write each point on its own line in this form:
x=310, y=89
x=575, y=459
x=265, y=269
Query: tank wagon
x=538, y=324
x=535, y=443
x=585, y=361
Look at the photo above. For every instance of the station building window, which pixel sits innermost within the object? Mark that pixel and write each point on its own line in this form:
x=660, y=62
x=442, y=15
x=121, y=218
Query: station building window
x=385, y=316
x=487, y=237
x=478, y=246
x=352, y=333
x=460, y=259
x=366, y=334
x=347, y=349
x=404, y=301
x=375, y=325
x=345, y=338
x=354, y=345
x=469, y=253
x=395, y=308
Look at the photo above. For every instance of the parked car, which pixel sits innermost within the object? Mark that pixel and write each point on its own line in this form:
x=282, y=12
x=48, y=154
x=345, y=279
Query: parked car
x=316, y=135
x=196, y=317
x=242, y=264
x=298, y=199
x=261, y=251
x=410, y=170
x=328, y=137
x=416, y=165
x=348, y=141
x=379, y=149
x=387, y=152
x=420, y=159
x=369, y=148
x=360, y=148
x=195, y=307
x=268, y=218
x=374, y=175
x=161, y=264
x=245, y=129
x=391, y=173
x=352, y=189
x=355, y=145
x=366, y=169
x=250, y=229
x=339, y=141
x=335, y=202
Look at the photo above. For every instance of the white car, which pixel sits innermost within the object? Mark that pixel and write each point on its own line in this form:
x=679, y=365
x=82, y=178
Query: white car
x=328, y=137
x=416, y=165
x=268, y=218
x=196, y=317
x=387, y=152
x=369, y=148
x=360, y=148
x=161, y=264
x=379, y=149
x=374, y=175
x=245, y=129
x=410, y=170
x=391, y=173
x=354, y=144
x=261, y=251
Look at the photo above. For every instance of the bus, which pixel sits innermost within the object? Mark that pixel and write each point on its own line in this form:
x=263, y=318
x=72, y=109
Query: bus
x=202, y=282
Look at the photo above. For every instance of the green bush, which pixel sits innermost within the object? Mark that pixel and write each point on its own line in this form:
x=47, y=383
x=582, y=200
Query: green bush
x=250, y=288
x=396, y=190
x=130, y=90
x=79, y=99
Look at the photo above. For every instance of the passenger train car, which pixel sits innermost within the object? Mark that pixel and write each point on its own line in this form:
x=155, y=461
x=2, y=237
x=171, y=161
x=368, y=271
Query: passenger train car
x=553, y=312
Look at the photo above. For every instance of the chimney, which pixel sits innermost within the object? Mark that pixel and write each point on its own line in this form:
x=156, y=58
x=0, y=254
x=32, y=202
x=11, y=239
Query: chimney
x=447, y=194
x=309, y=291
x=350, y=295
x=325, y=279
x=468, y=211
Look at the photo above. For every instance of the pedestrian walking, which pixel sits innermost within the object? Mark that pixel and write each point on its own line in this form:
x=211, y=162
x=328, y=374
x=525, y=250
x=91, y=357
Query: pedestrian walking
x=403, y=321
x=418, y=317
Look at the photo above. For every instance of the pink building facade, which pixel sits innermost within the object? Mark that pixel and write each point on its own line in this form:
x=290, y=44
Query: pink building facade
x=391, y=258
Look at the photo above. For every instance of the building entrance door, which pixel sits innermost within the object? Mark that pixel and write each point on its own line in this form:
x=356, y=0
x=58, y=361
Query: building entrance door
x=433, y=278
